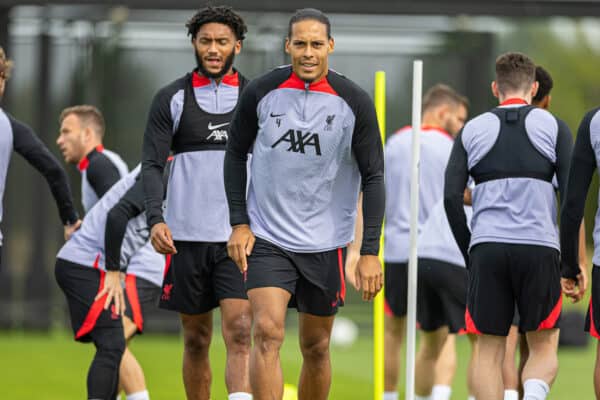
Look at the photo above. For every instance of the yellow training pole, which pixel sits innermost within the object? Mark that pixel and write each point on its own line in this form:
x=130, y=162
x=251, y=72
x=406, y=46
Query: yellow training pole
x=378, y=306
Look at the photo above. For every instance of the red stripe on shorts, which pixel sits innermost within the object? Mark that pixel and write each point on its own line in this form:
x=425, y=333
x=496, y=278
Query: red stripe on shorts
x=134, y=301
x=342, y=279
x=593, y=330
x=471, y=328
x=167, y=265
x=550, y=321
x=387, y=309
x=95, y=310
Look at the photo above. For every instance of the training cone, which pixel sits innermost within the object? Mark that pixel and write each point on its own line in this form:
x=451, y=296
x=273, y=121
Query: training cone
x=290, y=392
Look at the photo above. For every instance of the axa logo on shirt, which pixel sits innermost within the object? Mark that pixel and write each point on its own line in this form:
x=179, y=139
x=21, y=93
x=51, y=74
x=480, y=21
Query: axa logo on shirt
x=216, y=133
x=299, y=142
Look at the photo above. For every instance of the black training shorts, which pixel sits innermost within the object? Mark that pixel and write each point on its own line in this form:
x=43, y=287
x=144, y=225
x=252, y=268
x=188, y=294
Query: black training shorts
x=315, y=280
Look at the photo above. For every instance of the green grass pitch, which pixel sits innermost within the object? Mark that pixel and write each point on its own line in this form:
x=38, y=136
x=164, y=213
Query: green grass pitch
x=50, y=367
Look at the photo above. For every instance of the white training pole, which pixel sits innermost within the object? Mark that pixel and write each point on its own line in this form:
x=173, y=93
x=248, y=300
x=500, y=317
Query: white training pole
x=411, y=312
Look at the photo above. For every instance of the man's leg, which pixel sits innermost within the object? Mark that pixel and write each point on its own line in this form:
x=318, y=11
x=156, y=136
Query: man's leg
x=597, y=372
x=131, y=375
x=488, y=375
x=542, y=365
x=445, y=368
x=103, y=375
x=394, y=331
x=236, y=323
x=197, y=334
x=315, y=376
x=430, y=348
x=523, y=356
x=269, y=306
x=509, y=369
x=472, y=365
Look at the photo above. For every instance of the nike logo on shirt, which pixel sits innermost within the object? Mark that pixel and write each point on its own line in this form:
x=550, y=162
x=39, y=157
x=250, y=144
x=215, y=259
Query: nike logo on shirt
x=211, y=126
x=277, y=115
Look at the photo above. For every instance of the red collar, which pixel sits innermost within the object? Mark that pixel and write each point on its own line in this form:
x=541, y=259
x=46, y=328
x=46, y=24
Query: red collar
x=229, y=79
x=435, y=128
x=514, y=100
x=85, y=161
x=294, y=82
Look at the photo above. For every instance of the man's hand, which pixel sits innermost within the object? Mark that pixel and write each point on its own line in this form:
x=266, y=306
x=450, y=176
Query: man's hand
x=70, y=229
x=113, y=291
x=352, y=258
x=369, y=276
x=572, y=288
x=583, y=284
x=240, y=245
x=161, y=239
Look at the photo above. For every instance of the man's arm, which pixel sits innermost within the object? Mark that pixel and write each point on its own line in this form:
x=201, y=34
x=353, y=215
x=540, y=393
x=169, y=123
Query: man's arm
x=368, y=152
x=582, y=166
x=157, y=144
x=102, y=174
x=28, y=145
x=455, y=181
x=130, y=206
x=242, y=133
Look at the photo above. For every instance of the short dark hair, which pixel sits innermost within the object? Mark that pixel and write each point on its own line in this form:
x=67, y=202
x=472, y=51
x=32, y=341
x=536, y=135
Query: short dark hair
x=305, y=14
x=443, y=94
x=220, y=14
x=514, y=72
x=5, y=65
x=546, y=83
x=88, y=115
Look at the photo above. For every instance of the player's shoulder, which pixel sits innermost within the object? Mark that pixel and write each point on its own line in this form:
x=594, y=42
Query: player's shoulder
x=101, y=161
x=540, y=119
x=347, y=89
x=270, y=80
x=591, y=120
x=483, y=122
x=166, y=92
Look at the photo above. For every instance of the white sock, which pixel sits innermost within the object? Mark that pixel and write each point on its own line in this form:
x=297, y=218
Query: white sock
x=390, y=395
x=535, y=389
x=471, y=398
x=511, y=394
x=441, y=392
x=143, y=395
x=422, y=397
x=239, y=396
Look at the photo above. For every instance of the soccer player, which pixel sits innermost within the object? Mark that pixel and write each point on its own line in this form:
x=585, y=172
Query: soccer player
x=14, y=135
x=513, y=153
x=444, y=114
x=82, y=129
x=88, y=270
x=191, y=117
x=80, y=138
x=513, y=387
x=315, y=140
x=583, y=163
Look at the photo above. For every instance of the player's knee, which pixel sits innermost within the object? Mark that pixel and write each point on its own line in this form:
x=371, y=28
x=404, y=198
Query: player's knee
x=268, y=335
x=110, y=346
x=315, y=348
x=236, y=333
x=197, y=340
